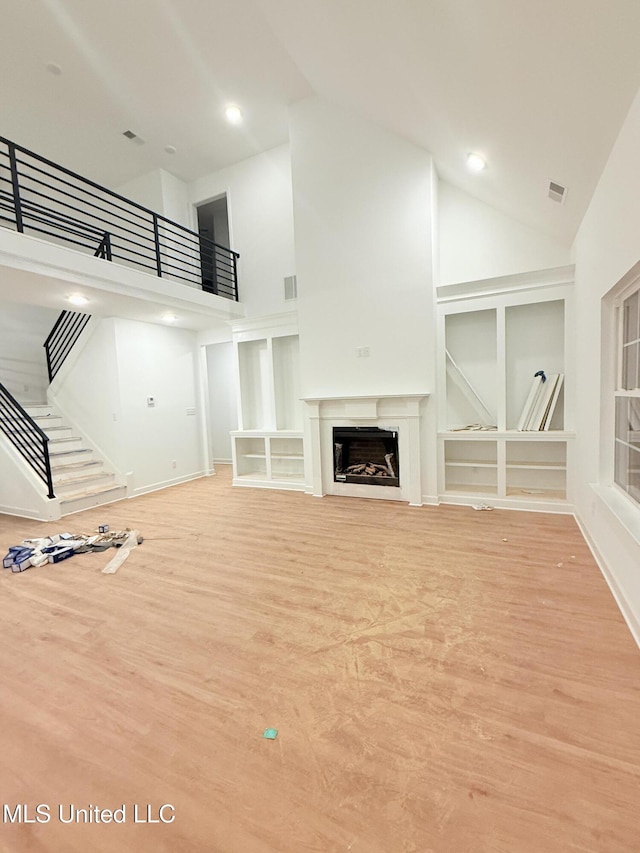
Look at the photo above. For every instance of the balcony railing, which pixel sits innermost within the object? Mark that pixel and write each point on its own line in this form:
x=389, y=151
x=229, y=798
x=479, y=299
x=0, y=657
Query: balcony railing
x=62, y=338
x=26, y=436
x=41, y=198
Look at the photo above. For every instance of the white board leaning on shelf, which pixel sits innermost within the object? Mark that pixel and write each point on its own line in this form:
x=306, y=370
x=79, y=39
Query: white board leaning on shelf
x=541, y=403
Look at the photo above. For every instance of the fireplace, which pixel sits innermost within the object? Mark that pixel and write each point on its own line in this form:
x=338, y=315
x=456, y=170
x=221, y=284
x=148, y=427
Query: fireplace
x=385, y=418
x=367, y=455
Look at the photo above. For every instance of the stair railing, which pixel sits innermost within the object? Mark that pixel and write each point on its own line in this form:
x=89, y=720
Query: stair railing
x=66, y=331
x=40, y=197
x=26, y=436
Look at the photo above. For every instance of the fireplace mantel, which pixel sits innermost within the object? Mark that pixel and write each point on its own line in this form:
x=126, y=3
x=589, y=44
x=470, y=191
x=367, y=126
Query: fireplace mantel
x=400, y=412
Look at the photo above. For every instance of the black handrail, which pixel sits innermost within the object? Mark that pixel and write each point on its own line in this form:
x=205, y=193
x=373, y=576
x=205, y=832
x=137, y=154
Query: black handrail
x=39, y=196
x=66, y=331
x=26, y=436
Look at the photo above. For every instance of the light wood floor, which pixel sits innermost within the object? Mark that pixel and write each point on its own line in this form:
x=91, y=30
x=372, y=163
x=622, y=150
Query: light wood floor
x=436, y=689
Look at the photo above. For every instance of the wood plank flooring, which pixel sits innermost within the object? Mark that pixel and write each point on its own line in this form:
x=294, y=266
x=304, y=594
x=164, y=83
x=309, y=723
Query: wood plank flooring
x=442, y=681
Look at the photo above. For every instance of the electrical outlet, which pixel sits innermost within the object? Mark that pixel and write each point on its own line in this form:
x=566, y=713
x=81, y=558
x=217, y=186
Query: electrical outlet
x=174, y=464
x=363, y=352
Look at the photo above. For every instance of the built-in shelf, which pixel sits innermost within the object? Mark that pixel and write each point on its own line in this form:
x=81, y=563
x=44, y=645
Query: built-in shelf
x=270, y=458
x=268, y=447
x=492, y=340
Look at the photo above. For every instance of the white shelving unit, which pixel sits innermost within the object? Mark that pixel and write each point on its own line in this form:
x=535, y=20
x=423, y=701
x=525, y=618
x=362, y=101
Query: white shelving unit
x=268, y=448
x=273, y=459
x=494, y=336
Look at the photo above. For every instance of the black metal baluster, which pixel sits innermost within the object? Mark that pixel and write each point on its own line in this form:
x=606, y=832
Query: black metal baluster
x=156, y=237
x=16, y=187
x=47, y=467
x=234, y=257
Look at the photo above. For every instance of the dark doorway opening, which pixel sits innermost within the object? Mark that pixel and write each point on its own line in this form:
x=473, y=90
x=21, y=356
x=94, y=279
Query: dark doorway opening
x=213, y=229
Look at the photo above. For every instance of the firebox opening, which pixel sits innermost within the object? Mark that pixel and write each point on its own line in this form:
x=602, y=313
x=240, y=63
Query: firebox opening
x=366, y=455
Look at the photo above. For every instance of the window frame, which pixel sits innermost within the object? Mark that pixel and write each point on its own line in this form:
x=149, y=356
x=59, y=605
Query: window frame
x=630, y=487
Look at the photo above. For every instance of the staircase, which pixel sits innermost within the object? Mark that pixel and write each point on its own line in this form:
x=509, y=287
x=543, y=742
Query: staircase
x=80, y=479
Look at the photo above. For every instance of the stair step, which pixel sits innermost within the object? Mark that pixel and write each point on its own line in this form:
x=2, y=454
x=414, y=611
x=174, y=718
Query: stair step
x=91, y=471
x=46, y=424
x=71, y=442
x=91, y=498
x=75, y=467
x=41, y=419
x=81, y=485
x=57, y=432
x=39, y=411
x=69, y=457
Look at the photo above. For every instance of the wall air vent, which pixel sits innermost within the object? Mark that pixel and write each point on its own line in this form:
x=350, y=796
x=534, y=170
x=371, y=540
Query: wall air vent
x=290, y=288
x=557, y=192
x=133, y=137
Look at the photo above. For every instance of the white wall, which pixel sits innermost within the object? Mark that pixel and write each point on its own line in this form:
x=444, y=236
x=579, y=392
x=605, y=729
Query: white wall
x=106, y=392
x=606, y=247
x=223, y=405
x=159, y=362
x=475, y=241
x=175, y=200
x=362, y=202
x=23, y=364
x=22, y=492
x=160, y=192
x=145, y=190
x=87, y=390
x=260, y=224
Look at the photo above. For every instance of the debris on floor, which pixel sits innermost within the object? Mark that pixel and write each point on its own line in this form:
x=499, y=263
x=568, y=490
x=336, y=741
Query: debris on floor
x=270, y=734
x=53, y=549
x=481, y=506
x=133, y=539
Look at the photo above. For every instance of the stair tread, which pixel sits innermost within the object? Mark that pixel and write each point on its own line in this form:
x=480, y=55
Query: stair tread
x=90, y=492
x=96, y=475
x=69, y=452
x=75, y=466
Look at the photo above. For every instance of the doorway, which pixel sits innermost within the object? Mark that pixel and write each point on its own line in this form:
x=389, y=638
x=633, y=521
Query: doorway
x=213, y=229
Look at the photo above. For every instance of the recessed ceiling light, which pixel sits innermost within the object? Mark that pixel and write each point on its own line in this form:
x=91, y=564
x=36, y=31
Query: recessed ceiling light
x=170, y=149
x=233, y=114
x=53, y=68
x=476, y=163
x=77, y=299
x=169, y=318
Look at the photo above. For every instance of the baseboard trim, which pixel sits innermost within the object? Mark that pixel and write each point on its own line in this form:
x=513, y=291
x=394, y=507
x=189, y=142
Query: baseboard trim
x=33, y=514
x=627, y=613
x=165, y=484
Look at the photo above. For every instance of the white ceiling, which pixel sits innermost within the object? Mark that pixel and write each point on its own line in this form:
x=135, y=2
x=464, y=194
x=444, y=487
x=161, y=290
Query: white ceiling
x=540, y=88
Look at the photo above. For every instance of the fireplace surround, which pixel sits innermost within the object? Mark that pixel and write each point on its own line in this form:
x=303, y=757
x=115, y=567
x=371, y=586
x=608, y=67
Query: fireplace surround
x=399, y=414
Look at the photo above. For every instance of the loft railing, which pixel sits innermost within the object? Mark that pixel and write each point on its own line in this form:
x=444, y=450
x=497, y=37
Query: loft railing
x=42, y=198
x=26, y=436
x=66, y=331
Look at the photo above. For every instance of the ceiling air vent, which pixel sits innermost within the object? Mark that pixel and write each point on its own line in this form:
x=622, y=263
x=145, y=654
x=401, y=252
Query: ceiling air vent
x=290, y=287
x=557, y=192
x=133, y=137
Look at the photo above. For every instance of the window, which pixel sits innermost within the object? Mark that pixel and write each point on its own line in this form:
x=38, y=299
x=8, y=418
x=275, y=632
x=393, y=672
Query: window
x=627, y=440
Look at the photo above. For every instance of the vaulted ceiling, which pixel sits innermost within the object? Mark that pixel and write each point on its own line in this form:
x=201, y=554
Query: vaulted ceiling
x=539, y=88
